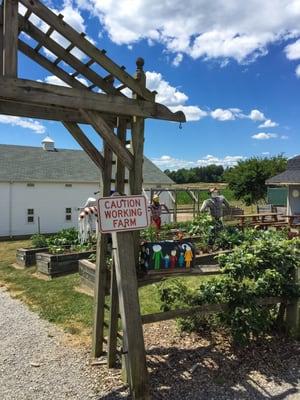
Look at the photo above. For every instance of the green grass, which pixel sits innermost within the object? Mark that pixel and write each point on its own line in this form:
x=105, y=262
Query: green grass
x=57, y=300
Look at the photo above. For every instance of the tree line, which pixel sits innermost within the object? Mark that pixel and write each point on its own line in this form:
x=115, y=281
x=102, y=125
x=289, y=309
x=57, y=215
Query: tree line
x=210, y=173
x=246, y=179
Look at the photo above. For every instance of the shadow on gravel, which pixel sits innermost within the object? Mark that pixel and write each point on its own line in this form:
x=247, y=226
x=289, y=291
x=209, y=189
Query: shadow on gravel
x=268, y=369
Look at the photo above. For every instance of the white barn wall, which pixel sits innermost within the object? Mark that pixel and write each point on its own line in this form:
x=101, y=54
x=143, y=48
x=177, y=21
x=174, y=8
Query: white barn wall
x=49, y=201
x=4, y=208
x=293, y=203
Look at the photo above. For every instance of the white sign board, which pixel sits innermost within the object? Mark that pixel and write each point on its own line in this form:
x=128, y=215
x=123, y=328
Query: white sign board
x=122, y=213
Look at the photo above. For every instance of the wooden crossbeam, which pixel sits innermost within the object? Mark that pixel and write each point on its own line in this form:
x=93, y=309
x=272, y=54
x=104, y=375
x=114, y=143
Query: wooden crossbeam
x=116, y=145
x=85, y=143
x=47, y=112
x=45, y=94
x=87, y=47
x=10, y=38
x=48, y=33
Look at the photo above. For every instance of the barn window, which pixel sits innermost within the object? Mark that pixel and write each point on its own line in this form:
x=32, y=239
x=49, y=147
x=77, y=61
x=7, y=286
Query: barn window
x=30, y=215
x=30, y=184
x=68, y=184
x=68, y=214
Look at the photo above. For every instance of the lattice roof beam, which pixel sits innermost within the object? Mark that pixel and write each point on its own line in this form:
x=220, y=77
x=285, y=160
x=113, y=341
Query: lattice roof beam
x=87, y=47
x=60, y=52
x=10, y=38
x=44, y=62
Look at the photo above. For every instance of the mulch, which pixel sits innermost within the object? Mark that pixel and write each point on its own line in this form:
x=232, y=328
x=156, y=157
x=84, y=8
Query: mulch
x=208, y=366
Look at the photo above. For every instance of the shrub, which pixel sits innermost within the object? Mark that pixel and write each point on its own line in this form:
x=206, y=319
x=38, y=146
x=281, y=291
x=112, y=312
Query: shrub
x=260, y=267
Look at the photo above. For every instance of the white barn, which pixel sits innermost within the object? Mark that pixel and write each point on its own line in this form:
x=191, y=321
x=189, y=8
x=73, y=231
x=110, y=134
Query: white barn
x=42, y=188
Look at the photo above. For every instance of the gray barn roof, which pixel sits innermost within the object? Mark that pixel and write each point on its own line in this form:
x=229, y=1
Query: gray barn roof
x=33, y=164
x=291, y=176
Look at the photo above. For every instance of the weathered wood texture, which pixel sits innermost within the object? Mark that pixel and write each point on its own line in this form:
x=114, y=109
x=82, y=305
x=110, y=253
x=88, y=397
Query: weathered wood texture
x=45, y=94
x=54, y=265
x=27, y=257
x=114, y=299
x=130, y=313
x=86, y=46
x=10, y=38
x=292, y=317
x=101, y=270
x=48, y=112
x=104, y=130
x=203, y=309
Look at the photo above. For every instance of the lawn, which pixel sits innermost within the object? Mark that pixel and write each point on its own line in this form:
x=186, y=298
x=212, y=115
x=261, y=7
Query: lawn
x=57, y=300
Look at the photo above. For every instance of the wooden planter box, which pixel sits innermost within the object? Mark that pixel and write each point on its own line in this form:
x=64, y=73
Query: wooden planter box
x=59, y=264
x=209, y=258
x=87, y=272
x=27, y=257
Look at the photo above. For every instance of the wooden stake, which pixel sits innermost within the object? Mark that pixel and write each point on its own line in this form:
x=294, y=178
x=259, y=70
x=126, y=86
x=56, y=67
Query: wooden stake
x=114, y=300
x=100, y=278
x=130, y=313
x=10, y=38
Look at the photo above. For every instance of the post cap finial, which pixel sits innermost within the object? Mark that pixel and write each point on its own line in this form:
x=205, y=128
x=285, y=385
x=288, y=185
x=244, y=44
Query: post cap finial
x=140, y=62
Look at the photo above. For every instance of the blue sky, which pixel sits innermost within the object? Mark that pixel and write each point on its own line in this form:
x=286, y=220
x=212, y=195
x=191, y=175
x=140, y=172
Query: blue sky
x=231, y=67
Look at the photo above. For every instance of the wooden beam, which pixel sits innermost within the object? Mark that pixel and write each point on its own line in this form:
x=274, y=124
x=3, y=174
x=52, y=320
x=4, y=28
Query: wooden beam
x=101, y=272
x=1, y=48
x=130, y=314
x=47, y=112
x=114, y=300
x=203, y=309
x=10, y=38
x=44, y=62
x=32, y=92
x=60, y=52
x=86, y=46
x=109, y=137
x=85, y=143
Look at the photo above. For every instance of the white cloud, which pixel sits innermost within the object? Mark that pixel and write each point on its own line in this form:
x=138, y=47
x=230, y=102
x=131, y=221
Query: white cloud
x=268, y=124
x=265, y=153
x=297, y=72
x=212, y=30
x=26, y=123
x=284, y=137
x=264, y=136
x=168, y=162
x=256, y=115
x=177, y=60
x=292, y=51
x=222, y=115
x=171, y=97
x=54, y=80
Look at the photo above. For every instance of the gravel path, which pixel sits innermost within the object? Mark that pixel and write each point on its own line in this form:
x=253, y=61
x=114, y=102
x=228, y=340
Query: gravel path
x=34, y=362
x=37, y=364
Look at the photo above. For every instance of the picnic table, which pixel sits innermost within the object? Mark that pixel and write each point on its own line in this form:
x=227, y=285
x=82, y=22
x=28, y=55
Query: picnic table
x=258, y=219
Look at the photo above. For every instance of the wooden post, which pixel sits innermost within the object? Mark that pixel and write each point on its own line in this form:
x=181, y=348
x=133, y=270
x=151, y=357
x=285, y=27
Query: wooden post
x=10, y=38
x=123, y=243
x=1, y=49
x=114, y=301
x=137, y=142
x=175, y=206
x=292, y=317
x=100, y=278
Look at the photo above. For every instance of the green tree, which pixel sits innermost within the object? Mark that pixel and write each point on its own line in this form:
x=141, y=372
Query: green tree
x=247, y=178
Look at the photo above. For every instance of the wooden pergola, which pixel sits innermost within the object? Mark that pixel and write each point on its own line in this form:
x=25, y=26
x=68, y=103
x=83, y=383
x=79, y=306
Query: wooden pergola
x=117, y=119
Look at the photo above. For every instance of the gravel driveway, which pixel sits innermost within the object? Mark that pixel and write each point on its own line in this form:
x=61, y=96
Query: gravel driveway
x=35, y=364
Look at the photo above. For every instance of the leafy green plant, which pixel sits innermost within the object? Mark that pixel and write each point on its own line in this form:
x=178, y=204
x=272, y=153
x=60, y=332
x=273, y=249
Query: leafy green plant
x=39, y=240
x=263, y=266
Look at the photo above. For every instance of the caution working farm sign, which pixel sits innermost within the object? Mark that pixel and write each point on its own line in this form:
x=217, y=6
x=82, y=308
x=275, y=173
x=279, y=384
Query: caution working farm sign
x=122, y=213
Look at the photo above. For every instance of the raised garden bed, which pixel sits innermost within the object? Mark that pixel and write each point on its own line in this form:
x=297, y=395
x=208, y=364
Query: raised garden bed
x=27, y=257
x=87, y=271
x=59, y=264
